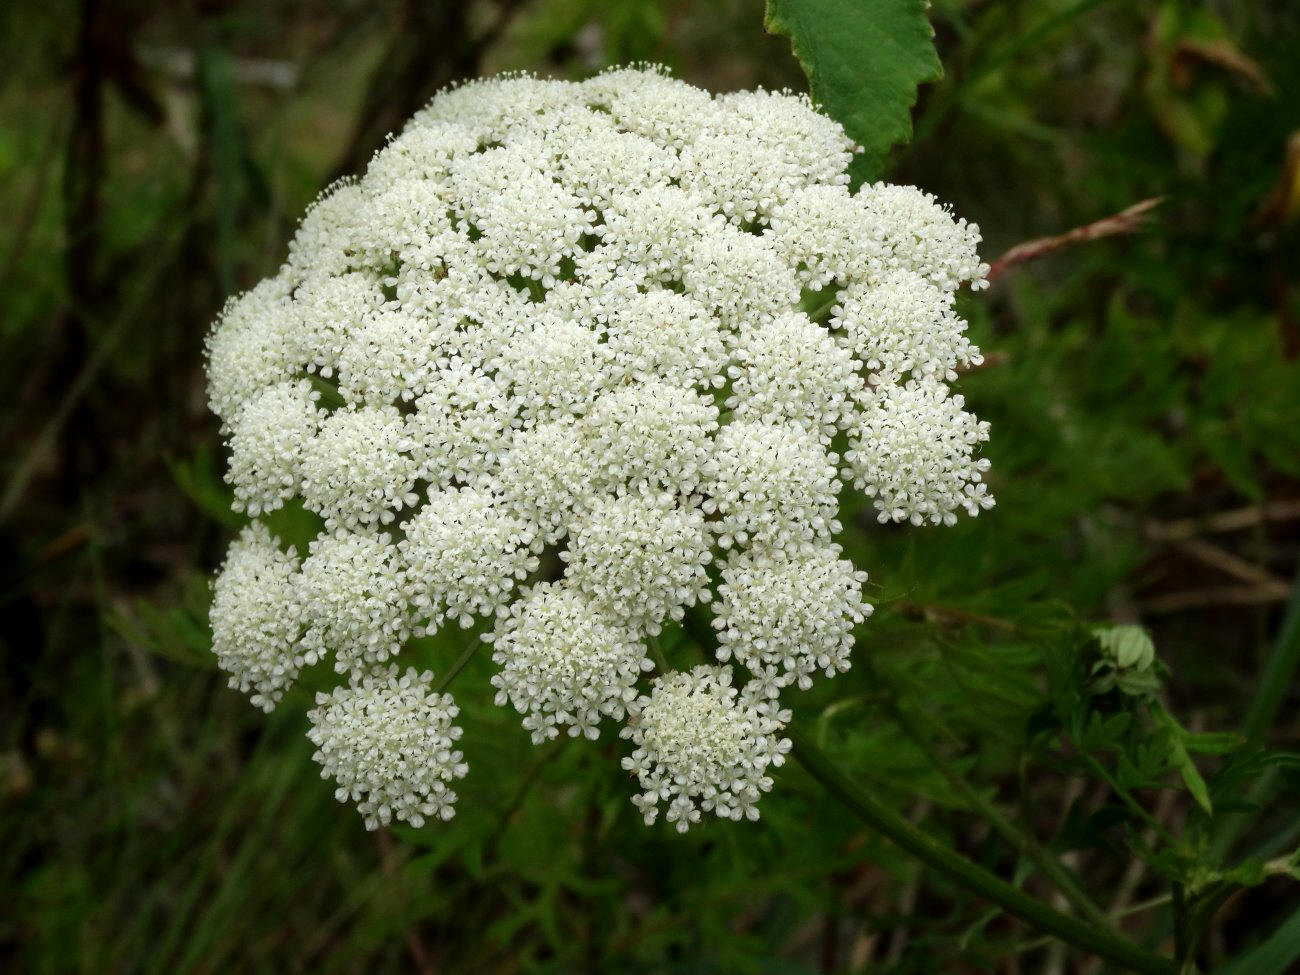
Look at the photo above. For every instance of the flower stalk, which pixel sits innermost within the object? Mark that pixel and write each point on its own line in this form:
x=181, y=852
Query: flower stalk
x=1104, y=944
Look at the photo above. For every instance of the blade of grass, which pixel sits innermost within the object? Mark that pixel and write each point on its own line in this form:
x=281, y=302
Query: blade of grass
x=1276, y=679
x=1275, y=955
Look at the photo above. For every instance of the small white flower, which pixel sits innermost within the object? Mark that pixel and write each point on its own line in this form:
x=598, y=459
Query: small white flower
x=661, y=335
x=789, y=616
x=902, y=326
x=649, y=436
x=389, y=743
x=739, y=277
x=357, y=470
x=252, y=346
x=422, y=153
x=912, y=449
x=700, y=746
x=655, y=232
x=651, y=104
x=491, y=108
x=553, y=370
x=529, y=223
x=640, y=557
x=760, y=148
x=256, y=616
x=543, y=475
x=472, y=315
x=460, y=426
x=267, y=440
x=595, y=161
x=827, y=236
x=564, y=664
x=328, y=311
x=790, y=368
x=354, y=601
x=921, y=234
x=463, y=555
x=332, y=239
x=389, y=357
x=774, y=485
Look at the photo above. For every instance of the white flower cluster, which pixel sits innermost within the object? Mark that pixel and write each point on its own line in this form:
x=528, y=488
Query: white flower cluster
x=257, y=616
x=577, y=358
x=785, y=618
x=390, y=745
x=701, y=745
x=563, y=663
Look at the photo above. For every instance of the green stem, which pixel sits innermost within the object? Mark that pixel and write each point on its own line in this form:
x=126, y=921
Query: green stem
x=1180, y=926
x=458, y=666
x=1047, y=865
x=1043, y=940
x=1102, y=943
x=657, y=655
x=1126, y=797
x=1273, y=685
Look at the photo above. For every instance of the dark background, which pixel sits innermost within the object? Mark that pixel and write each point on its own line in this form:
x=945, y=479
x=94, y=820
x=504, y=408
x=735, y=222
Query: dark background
x=154, y=158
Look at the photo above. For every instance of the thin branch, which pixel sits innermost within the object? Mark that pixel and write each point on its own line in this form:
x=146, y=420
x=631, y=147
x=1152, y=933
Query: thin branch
x=1127, y=221
x=458, y=666
x=1178, y=602
x=1047, y=864
x=1227, y=563
x=1226, y=521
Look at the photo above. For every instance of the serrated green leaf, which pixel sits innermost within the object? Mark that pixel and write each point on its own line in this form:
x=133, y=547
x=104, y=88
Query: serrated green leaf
x=864, y=60
x=1104, y=734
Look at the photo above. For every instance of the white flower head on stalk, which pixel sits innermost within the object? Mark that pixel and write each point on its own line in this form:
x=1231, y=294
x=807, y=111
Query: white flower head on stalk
x=354, y=600
x=901, y=325
x=564, y=664
x=788, y=617
x=791, y=368
x=913, y=450
x=559, y=350
x=463, y=555
x=640, y=557
x=702, y=746
x=257, y=616
x=358, y=469
x=388, y=740
x=267, y=443
x=774, y=484
x=251, y=347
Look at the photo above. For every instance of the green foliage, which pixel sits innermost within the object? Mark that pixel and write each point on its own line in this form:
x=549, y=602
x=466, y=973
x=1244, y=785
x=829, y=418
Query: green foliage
x=864, y=59
x=1128, y=661
x=1064, y=692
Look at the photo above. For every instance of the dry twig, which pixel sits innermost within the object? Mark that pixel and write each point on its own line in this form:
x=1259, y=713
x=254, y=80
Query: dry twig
x=1127, y=221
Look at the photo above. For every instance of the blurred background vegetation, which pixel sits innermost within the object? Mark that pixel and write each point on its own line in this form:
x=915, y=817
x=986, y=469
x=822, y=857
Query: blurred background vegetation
x=1143, y=391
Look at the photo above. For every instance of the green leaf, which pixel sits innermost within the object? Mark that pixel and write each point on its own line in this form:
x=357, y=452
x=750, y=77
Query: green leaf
x=1180, y=759
x=1192, y=777
x=864, y=59
x=1128, y=646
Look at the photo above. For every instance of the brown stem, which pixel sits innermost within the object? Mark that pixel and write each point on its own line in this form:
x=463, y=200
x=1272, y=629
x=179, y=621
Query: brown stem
x=1127, y=221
